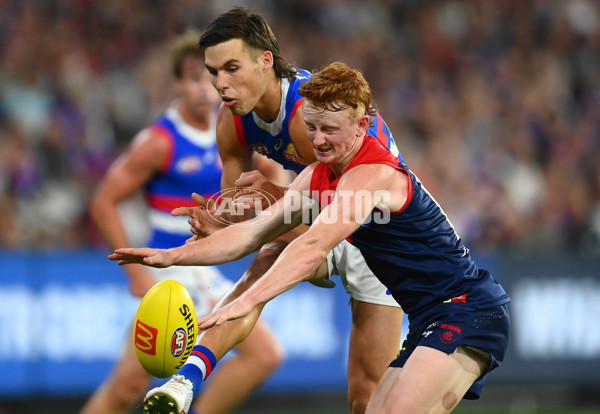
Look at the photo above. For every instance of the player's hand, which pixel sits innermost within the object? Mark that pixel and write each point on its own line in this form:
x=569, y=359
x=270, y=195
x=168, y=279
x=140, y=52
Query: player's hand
x=203, y=219
x=255, y=189
x=145, y=255
x=234, y=310
x=140, y=280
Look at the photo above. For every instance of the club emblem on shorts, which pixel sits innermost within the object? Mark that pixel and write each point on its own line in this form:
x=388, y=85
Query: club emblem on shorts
x=178, y=342
x=449, y=333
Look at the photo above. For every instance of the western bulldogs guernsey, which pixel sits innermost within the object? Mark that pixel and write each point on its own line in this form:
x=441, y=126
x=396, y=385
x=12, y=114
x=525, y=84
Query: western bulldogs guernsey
x=193, y=165
x=273, y=139
x=416, y=254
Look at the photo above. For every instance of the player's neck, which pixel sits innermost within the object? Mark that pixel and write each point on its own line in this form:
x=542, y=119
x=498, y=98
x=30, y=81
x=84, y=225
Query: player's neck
x=201, y=122
x=339, y=166
x=268, y=105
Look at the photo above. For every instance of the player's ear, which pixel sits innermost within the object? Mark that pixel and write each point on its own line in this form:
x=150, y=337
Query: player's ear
x=363, y=124
x=177, y=85
x=266, y=59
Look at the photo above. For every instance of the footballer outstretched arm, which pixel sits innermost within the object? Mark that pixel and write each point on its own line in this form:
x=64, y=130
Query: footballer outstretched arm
x=301, y=260
x=230, y=243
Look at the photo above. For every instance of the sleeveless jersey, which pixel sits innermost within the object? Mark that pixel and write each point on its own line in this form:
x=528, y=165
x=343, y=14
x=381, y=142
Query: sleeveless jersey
x=415, y=251
x=192, y=165
x=273, y=139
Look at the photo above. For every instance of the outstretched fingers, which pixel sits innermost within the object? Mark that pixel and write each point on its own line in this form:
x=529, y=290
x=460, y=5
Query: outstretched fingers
x=234, y=310
x=144, y=255
x=183, y=211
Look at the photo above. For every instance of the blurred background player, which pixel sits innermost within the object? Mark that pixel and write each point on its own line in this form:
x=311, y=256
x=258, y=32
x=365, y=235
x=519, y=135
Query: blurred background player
x=262, y=112
x=169, y=160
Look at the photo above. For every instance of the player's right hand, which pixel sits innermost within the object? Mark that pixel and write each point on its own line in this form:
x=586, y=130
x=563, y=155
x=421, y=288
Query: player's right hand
x=202, y=219
x=145, y=255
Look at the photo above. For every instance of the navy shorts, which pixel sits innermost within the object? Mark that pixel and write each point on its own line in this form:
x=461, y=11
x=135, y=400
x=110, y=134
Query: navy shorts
x=450, y=325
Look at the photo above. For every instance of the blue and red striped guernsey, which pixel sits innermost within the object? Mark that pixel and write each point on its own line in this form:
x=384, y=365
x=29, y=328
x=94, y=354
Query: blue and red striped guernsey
x=273, y=140
x=193, y=165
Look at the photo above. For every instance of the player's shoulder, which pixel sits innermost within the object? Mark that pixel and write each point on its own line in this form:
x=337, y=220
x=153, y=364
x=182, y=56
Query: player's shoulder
x=154, y=136
x=229, y=141
x=303, y=74
x=225, y=124
x=295, y=83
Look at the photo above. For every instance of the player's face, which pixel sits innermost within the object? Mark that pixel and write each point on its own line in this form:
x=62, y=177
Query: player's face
x=335, y=136
x=194, y=89
x=238, y=78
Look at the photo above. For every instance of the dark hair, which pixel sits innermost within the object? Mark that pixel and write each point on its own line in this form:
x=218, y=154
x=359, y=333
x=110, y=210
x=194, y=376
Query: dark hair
x=182, y=47
x=253, y=30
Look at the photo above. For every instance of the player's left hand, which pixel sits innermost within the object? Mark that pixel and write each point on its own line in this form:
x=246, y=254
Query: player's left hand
x=203, y=219
x=239, y=308
x=145, y=255
x=254, y=186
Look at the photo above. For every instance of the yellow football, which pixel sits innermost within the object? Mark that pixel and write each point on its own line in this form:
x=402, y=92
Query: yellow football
x=165, y=328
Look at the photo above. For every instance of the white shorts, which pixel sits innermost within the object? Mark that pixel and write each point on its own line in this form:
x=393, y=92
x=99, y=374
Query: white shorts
x=360, y=282
x=206, y=284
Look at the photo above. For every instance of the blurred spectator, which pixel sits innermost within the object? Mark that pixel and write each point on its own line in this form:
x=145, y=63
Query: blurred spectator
x=493, y=104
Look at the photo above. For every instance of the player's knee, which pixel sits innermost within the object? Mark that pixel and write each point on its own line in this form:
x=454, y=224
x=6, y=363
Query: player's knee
x=271, y=357
x=358, y=406
x=358, y=399
x=126, y=393
x=361, y=385
x=449, y=401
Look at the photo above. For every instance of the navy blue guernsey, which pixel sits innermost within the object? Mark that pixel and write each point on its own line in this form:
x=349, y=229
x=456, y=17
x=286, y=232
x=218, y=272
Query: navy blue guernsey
x=415, y=252
x=273, y=140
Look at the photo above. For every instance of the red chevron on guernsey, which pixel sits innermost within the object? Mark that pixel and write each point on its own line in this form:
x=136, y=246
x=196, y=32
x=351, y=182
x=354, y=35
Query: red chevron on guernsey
x=459, y=299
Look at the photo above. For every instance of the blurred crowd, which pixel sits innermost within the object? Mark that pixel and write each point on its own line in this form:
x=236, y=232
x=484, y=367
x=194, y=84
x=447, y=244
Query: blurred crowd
x=494, y=104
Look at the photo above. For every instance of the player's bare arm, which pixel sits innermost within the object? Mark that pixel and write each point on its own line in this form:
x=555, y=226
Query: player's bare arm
x=231, y=243
x=236, y=159
x=300, y=261
x=125, y=177
x=298, y=136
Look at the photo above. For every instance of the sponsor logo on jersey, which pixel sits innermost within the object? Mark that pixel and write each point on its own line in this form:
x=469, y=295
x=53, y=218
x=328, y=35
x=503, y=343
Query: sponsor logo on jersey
x=189, y=165
x=145, y=337
x=261, y=149
x=178, y=342
x=292, y=155
x=431, y=325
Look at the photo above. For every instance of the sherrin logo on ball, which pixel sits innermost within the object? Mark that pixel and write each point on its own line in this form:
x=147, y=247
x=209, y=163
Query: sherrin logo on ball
x=165, y=328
